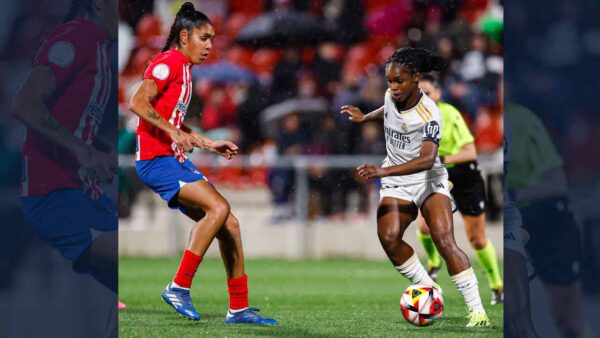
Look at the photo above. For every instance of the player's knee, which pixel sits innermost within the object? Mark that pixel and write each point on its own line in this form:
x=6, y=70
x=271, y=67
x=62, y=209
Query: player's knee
x=477, y=242
x=388, y=236
x=445, y=243
x=233, y=226
x=219, y=211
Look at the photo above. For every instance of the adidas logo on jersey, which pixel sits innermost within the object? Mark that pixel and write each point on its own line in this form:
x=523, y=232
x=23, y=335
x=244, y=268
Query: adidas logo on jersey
x=439, y=185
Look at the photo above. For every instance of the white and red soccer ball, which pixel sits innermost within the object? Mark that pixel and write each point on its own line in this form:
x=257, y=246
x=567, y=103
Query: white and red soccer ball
x=421, y=305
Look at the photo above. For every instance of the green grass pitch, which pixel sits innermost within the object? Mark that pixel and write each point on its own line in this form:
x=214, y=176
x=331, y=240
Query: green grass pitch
x=309, y=298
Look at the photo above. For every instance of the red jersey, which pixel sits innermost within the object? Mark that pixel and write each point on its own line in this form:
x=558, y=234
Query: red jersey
x=171, y=71
x=78, y=54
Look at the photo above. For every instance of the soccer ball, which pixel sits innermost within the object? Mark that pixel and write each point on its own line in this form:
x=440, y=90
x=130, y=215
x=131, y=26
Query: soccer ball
x=421, y=305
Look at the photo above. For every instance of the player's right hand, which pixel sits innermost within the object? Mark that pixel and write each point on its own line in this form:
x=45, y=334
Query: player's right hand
x=97, y=164
x=184, y=141
x=355, y=115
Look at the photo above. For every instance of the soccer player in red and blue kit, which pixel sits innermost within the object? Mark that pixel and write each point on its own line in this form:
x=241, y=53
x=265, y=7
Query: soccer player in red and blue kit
x=62, y=103
x=161, y=102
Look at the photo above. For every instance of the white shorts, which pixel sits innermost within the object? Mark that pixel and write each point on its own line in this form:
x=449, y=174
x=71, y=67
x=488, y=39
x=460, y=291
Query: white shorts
x=418, y=192
x=513, y=233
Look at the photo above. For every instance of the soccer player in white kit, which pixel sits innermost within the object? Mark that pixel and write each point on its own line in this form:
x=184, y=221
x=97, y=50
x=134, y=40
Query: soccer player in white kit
x=413, y=178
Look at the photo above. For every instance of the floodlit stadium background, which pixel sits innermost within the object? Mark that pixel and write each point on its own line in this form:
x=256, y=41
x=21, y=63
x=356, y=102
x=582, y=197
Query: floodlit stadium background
x=277, y=94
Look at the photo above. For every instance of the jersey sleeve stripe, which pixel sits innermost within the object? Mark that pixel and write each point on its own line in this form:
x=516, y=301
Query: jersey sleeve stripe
x=429, y=111
x=426, y=111
x=422, y=113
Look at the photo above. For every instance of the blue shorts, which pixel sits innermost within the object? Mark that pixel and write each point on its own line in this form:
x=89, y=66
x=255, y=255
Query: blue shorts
x=64, y=219
x=165, y=176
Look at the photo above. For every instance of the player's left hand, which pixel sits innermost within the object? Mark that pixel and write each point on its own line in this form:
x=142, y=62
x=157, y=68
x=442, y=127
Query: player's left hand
x=369, y=171
x=226, y=149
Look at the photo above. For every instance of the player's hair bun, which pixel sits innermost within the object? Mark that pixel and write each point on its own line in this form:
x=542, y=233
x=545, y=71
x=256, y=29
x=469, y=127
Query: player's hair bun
x=187, y=9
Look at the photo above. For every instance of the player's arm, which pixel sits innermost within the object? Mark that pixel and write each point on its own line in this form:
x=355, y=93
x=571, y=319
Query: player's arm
x=29, y=107
x=224, y=148
x=356, y=115
x=141, y=106
x=423, y=162
x=467, y=153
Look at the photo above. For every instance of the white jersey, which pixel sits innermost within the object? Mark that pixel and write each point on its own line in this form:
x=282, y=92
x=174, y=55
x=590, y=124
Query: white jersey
x=405, y=131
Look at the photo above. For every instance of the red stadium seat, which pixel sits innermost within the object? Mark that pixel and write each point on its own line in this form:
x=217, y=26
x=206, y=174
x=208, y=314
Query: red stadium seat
x=244, y=6
x=240, y=55
x=264, y=60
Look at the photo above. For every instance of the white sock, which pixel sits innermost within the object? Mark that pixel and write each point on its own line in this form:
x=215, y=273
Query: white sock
x=238, y=310
x=466, y=283
x=414, y=271
x=177, y=286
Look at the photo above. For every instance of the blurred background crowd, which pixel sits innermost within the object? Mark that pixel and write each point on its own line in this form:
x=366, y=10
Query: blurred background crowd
x=280, y=70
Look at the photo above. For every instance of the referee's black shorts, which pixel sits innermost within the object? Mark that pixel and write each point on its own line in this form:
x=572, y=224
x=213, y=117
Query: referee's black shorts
x=469, y=189
x=554, y=243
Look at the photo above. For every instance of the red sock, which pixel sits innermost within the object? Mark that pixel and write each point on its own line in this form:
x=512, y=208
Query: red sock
x=238, y=292
x=187, y=269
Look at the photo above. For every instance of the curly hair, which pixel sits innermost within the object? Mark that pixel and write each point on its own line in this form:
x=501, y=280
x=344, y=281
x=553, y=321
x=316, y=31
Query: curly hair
x=417, y=60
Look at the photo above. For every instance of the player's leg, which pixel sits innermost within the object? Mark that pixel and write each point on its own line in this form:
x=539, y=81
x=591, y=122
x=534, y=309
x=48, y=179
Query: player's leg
x=202, y=195
x=434, y=261
x=555, y=248
x=393, y=217
x=209, y=209
x=486, y=253
x=517, y=309
x=232, y=253
x=565, y=307
x=437, y=212
x=469, y=194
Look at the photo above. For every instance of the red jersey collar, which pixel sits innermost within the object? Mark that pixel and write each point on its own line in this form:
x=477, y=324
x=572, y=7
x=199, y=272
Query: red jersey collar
x=180, y=55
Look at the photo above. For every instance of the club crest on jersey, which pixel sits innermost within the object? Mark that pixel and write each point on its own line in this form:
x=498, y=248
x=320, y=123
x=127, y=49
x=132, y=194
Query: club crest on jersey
x=161, y=71
x=404, y=127
x=62, y=54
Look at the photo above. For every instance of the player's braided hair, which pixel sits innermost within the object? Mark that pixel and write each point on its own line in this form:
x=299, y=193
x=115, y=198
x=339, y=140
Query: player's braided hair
x=76, y=8
x=417, y=60
x=187, y=18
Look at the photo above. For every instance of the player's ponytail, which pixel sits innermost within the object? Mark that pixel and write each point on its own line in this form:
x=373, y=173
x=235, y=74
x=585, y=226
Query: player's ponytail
x=78, y=7
x=187, y=18
x=417, y=60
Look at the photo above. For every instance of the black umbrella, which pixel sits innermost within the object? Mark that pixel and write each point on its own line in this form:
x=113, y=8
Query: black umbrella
x=273, y=114
x=282, y=28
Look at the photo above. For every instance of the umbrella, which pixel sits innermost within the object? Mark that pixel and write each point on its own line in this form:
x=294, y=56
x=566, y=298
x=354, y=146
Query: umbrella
x=272, y=114
x=282, y=28
x=223, y=71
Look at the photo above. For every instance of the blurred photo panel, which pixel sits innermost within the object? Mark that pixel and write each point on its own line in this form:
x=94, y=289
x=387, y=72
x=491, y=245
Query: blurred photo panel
x=58, y=242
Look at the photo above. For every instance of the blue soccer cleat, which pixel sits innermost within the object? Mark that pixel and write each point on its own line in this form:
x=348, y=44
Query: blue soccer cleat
x=248, y=316
x=181, y=301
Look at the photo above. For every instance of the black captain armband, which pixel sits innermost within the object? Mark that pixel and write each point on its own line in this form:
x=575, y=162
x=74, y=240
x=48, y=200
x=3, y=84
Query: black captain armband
x=432, y=132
